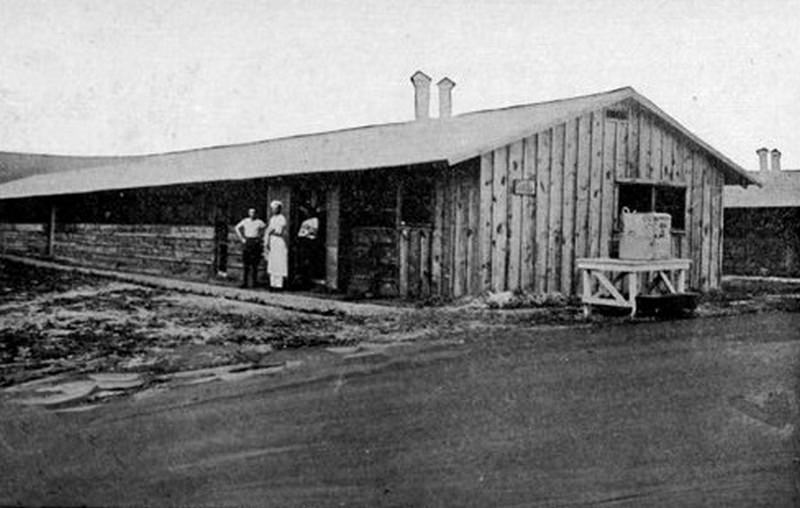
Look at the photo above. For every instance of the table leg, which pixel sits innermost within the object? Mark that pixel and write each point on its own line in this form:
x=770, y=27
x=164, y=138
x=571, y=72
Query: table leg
x=633, y=289
x=587, y=292
x=681, y=281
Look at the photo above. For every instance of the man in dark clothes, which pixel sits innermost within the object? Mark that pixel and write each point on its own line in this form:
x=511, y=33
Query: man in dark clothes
x=249, y=231
x=307, y=245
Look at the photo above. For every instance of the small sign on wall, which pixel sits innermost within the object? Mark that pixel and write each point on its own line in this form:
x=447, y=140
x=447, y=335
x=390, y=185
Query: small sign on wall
x=525, y=187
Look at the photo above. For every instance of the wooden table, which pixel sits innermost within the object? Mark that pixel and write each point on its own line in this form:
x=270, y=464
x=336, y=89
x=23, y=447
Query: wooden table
x=619, y=280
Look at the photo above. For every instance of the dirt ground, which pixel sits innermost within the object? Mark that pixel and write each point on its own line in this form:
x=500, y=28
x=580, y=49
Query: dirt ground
x=57, y=323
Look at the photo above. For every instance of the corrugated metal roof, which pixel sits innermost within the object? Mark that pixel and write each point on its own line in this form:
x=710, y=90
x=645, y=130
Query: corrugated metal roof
x=779, y=189
x=450, y=140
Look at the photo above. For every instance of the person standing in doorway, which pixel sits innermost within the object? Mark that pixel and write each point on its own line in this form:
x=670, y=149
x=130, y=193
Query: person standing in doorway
x=249, y=231
x=307, y=246
x=276, y=251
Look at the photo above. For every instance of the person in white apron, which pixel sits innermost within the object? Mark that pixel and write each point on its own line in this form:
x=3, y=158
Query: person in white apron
x=275, y=247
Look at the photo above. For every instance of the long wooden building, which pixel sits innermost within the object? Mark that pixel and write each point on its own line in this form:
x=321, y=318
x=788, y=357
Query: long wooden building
x=495, y=200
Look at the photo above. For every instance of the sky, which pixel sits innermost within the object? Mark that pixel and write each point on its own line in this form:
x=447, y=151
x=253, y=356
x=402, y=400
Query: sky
x=111, y=77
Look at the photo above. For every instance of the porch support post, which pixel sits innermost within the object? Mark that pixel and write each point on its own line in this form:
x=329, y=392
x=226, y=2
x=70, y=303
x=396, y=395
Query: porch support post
x=51, y=231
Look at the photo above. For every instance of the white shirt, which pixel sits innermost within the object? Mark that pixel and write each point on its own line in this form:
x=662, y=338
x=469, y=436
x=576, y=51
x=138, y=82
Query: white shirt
x=252, y=227
x=308, y=229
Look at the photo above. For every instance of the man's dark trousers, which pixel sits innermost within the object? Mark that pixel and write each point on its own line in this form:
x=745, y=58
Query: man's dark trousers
x=251, y=257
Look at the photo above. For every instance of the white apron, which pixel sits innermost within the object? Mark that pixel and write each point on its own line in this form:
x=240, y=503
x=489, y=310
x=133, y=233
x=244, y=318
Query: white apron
x=277, y=253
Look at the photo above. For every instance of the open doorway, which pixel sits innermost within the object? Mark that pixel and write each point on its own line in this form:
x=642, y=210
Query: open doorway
x=308, y=229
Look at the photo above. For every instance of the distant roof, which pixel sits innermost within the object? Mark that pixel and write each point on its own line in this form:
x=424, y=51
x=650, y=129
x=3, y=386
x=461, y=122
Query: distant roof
x=450, y=140
x=779, y=189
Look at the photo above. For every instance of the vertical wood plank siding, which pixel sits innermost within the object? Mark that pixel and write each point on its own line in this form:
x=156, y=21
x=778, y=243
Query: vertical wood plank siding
x=501, y=240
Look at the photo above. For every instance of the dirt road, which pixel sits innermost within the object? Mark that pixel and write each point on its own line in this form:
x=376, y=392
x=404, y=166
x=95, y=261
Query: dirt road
x=689, y=413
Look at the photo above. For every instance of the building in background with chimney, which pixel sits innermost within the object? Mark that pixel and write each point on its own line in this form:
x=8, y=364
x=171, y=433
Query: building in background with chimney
x=762, y=224
x=463, y=204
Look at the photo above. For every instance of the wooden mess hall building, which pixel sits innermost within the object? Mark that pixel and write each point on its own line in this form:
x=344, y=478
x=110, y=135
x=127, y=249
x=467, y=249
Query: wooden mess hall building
x=494, y=200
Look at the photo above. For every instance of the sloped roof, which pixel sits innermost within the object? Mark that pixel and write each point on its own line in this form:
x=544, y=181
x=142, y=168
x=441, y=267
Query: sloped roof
x=778, y=189
x=450, y=140
x=14, y=165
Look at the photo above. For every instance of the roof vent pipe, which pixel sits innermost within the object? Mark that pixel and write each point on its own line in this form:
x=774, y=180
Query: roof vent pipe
x=776, y=159
x=422, y=95
x=446, y=86
x=762, y=159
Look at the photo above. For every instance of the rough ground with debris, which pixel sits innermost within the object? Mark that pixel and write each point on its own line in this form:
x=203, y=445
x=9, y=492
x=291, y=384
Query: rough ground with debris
x=62, y=327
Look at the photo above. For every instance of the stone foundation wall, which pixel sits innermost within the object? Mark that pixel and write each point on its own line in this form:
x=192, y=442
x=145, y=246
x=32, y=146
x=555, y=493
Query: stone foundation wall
x=23, y=239
x=174, y=251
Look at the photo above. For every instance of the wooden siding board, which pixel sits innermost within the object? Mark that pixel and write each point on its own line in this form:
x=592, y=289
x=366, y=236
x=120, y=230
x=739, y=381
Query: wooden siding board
x=716, y=236
x=485, y=235
x=632, y=135
x=474, y=222
x=582, y=189
x=447, y=233
x=425, y=263
x=543, y=157
x=645, y=148
x=499, y=216
x=528, y=226
x=436, y=241
x=697, y=218
x=595, y=185
x=706, y=231
x=413, y=240
x=514, y=216
x=608, y=172
x=568, y=207
x=459, y=243
x=555, y=218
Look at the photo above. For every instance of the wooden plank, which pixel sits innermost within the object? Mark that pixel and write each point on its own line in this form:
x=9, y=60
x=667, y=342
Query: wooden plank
x=554, y=233
x=632, y=161
x=528, y=226
x=485, y=232
x=706, y=230
x=51, y=231
x=413, y=262
x=656, y=151
x=332, y=229
x=474, y=286
x=403, y=240
x=607, y=204
x=684, y=159
x=645, y=150
x=514, y=216
x=499, y=225
x=595, y=185
x=459, y=242
x=568, y=207
x=543, y=154
x=447, y=233
x=582, y=187
x=425, y=263
x=436, y=241
x=720, y=226
x=716, y=233
x=669, y=155
x=696, y=245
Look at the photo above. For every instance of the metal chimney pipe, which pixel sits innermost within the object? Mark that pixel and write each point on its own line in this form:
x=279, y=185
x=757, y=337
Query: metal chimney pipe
x=446, y=86
x=776, y=159
x=422, y=95
x=762, y=159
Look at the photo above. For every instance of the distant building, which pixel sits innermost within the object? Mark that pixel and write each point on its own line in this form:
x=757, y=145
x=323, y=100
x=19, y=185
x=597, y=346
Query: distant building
x=495, y=200
x=762, y=225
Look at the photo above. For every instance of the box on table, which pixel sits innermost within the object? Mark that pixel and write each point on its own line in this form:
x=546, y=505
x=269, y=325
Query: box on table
x=645, y=236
